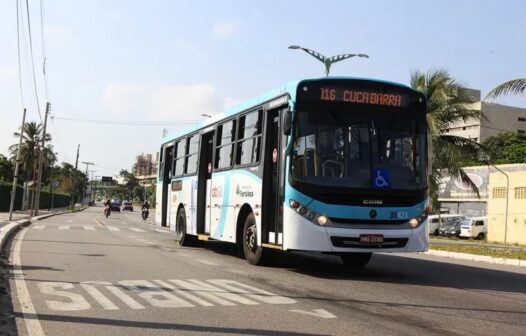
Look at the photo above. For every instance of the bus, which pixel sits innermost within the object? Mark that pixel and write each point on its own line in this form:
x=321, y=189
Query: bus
x=331, y=165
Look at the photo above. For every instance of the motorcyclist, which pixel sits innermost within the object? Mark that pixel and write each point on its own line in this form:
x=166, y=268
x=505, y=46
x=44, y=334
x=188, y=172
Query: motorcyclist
x=107, y=207
x=144, y=210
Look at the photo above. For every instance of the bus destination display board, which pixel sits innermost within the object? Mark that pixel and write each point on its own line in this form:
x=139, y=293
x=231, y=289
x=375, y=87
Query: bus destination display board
x=358, y=92
x=361, y=96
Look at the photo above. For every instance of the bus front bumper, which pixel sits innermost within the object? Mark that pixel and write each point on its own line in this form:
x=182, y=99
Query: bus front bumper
x=301, y=234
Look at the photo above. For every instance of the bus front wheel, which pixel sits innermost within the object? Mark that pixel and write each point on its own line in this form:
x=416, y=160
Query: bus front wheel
x=182, y=238
x=253, y=252
x=356, y=260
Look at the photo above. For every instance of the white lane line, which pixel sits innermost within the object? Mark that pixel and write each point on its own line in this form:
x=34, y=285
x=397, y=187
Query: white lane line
x=113, y=228
x=31, y=321
x=207, y=262
x=235, y=271
x=162, y=231
x=63, y=227
x=137, y=230
x=124, y=298
x=38, y=227
x=89, y=228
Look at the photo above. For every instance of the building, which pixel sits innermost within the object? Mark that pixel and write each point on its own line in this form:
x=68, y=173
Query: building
x=494, y=119
x=507, y=197
x=493, y=201
x=145, y=168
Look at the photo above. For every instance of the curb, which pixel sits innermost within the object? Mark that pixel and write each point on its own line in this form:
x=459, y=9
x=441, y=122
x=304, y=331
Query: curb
x=9, y=229
x=475, y=257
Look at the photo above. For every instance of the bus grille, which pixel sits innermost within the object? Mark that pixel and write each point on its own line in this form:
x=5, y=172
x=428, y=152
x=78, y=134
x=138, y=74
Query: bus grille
x=354, y=242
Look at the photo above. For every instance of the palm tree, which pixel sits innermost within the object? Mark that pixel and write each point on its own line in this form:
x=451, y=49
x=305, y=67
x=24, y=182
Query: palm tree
x=515, y=86
x=447, y=105
x=29, y=151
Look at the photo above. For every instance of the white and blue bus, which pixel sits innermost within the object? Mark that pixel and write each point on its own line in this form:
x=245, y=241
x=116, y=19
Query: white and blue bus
x=330, y=165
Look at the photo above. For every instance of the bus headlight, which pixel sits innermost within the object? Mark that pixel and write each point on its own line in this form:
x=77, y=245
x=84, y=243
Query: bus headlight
x=414, y=222
x=308, y=214
x=322, y=220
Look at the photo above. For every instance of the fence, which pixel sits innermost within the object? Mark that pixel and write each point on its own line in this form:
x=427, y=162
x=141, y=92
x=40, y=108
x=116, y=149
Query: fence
x=59, y=200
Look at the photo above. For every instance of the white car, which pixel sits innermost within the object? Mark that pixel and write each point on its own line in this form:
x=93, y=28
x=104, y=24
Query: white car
x=438, y=221
x=476, y=227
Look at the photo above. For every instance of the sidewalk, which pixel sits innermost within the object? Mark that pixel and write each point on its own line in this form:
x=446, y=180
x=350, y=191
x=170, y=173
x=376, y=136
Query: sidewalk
x=18, y=215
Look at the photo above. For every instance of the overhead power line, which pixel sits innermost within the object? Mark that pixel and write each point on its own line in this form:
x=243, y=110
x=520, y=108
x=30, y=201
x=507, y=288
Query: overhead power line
x=131, y=122
x=44, y=58
x=18, y=49
x=32, y=59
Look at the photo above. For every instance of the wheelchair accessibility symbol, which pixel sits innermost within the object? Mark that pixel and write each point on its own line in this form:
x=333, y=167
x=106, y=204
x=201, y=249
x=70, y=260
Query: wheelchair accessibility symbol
x=382, y=179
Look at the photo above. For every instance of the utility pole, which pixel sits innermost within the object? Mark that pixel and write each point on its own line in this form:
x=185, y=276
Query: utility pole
x=17, y=166
x=73, y=184
x=41, y=160
x=85, y=185
x=91, y=186
x=77, y=160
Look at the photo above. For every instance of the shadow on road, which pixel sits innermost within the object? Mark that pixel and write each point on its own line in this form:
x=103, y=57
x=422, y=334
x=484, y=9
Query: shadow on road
x=385, y=268
x=175, y=327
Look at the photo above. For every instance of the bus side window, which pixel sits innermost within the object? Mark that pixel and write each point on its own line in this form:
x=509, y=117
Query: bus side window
x=192, y=148
x=179, y=158
x=225, y=136
x=161, y=164
x=249, y=138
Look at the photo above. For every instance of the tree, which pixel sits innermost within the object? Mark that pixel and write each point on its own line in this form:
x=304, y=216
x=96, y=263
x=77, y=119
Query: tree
x=30, y=151
x=506, y=148
x=6, y=169
x=514, y=86
x=447, y=104
x=70, y=180
x=131, y=184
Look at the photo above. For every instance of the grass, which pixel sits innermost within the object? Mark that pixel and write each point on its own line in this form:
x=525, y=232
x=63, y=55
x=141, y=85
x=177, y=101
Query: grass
x=481, y=250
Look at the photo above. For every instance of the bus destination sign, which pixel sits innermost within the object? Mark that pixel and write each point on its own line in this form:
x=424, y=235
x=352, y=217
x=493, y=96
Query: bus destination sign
x=357, y=96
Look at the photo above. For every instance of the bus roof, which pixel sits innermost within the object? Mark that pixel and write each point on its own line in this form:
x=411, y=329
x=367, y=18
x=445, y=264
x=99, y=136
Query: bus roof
x=289, y=87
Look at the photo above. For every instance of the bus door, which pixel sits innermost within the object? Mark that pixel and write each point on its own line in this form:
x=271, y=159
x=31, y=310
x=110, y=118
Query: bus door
x=204, y=183
x=272, y=214
x=167, y=179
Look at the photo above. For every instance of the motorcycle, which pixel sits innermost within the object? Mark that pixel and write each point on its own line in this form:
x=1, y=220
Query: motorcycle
x=107, y=211
x=144, y=213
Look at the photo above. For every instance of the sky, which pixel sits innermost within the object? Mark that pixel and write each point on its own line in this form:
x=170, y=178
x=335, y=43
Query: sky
x=167, y=62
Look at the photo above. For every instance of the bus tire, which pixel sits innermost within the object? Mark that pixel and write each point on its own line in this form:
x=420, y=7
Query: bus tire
x=356, y=260
x=182, y=238
x=253, y=252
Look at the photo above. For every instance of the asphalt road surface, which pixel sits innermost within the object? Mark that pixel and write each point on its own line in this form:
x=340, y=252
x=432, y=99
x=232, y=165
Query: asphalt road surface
x=82, y=274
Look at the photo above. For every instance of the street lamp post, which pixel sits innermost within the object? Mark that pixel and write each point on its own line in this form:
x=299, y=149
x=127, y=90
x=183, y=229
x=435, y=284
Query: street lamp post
x=507, y=199
x=328, y=61
x=85, y=186
x=91, y=187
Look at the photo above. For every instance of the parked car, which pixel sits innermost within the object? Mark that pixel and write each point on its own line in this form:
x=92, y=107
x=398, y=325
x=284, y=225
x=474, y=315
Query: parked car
x=476, y=227
x=452, y=230
x=438, y=221
x=115, y=206
x=127, y=206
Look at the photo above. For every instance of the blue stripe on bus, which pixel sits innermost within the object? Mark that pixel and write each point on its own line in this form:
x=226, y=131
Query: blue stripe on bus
x=349, y=211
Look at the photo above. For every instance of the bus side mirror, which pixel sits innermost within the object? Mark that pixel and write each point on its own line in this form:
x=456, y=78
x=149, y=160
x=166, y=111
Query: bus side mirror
x=287, y=122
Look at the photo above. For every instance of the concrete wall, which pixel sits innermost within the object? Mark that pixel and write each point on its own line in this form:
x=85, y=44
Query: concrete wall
x=516, y=224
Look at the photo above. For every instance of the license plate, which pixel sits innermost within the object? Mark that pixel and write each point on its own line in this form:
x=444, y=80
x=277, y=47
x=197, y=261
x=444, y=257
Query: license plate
x=371, y=239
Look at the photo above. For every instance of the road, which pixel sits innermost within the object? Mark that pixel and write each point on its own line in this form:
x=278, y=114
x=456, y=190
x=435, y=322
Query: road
x=82, y=274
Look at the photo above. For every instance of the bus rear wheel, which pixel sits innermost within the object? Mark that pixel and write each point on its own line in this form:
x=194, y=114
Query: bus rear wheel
x=356, y=260
x=182, y=238
x=253, y=252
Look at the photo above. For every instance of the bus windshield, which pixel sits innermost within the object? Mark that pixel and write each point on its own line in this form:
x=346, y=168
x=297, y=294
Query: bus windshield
x=337, y=145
